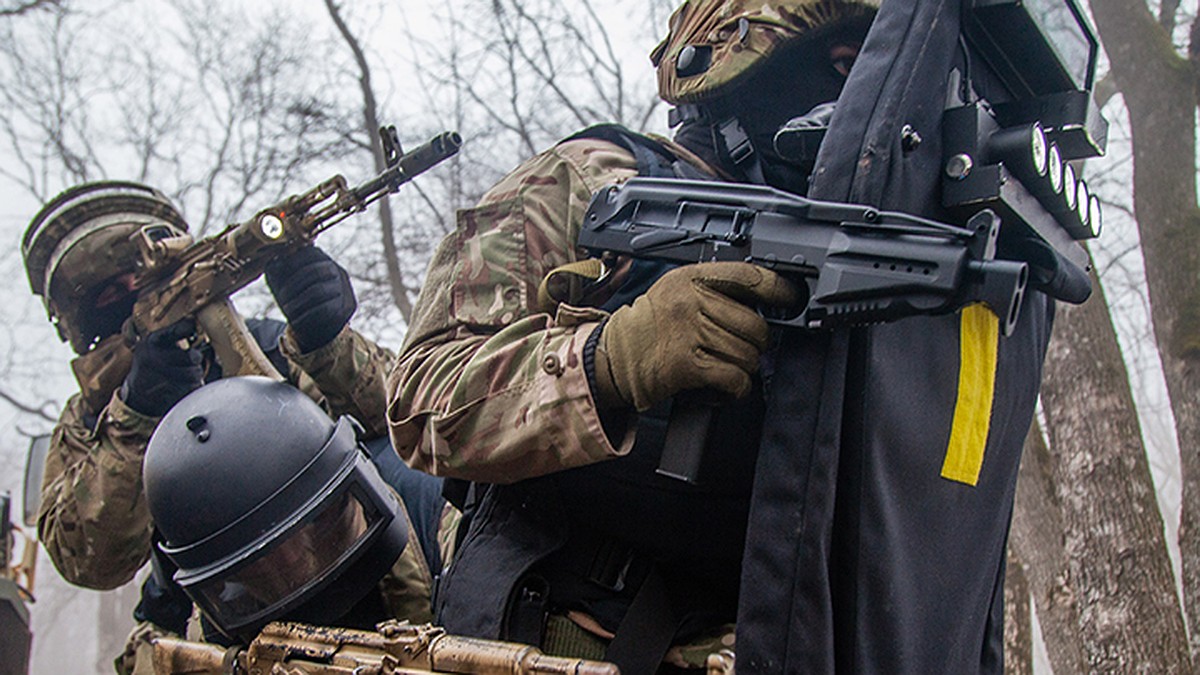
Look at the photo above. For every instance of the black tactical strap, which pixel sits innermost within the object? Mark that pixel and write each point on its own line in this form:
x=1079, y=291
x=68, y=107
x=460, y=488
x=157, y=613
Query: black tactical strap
x=654, y=159
x=736, y=149
x=525, y=619
x=646, y=632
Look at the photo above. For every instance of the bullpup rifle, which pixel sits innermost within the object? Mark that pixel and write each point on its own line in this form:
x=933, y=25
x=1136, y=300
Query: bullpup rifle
x=856, y=264
x=179, y=277
x=395, y=648
x=1019, y=110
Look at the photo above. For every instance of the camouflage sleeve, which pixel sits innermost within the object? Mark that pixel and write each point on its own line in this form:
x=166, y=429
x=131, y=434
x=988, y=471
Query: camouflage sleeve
x=93, y=520
x=487, y=388
x=407, y=588
x=351, y=372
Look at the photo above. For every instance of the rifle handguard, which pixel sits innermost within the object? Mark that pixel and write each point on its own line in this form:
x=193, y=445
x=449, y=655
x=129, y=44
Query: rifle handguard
x=236, y=349
x=180, y=278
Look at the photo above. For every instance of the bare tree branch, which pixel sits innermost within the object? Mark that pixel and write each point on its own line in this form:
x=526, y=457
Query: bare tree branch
x=1166, y=14
x=371, y=125
x=1104, y=89
x=1193, y=54
x=43, y=411
x=32, y=6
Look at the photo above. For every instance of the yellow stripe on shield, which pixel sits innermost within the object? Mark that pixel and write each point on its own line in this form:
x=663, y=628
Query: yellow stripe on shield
x=976, y=386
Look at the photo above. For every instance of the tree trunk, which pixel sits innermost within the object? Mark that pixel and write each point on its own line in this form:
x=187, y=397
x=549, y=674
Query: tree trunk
x=1159, y=91
x=1037, y=539
x=387, y=228
x=1018, y=631
x=1116, y=551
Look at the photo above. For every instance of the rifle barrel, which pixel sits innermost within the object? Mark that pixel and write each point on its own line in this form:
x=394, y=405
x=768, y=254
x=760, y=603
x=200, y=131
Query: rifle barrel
x=410, y=165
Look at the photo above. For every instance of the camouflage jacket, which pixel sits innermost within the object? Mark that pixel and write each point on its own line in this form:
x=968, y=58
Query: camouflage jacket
x=93, y=519
x=489, y=386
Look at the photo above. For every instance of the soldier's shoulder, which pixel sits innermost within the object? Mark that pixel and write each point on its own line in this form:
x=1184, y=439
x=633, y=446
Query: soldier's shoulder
x=612, y=145
x=595, y=147
x=572, y=165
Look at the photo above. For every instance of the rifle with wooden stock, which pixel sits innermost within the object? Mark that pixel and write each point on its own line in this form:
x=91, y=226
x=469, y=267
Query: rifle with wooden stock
x=179, y=277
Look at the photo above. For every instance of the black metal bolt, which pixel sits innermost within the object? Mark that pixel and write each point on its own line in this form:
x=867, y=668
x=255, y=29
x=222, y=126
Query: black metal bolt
x=959, y=166
x=199, y=425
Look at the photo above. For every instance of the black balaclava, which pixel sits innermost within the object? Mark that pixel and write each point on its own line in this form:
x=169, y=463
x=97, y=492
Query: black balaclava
x=101, y=322
x=798, y=78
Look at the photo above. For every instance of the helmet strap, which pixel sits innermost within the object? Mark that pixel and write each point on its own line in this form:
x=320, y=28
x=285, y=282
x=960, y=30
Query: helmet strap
x=733, y=147
x=736, y=150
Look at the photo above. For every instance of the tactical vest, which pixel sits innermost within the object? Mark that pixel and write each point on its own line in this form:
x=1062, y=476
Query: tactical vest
x=590, y=538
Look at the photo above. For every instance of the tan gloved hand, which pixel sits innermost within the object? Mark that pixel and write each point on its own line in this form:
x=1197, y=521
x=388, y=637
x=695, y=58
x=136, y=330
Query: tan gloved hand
x=695, y=328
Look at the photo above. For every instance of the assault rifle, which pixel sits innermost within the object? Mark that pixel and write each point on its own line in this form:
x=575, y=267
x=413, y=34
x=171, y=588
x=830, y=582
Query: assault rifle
x=396, y=648
x=179, y=277
x=859, y=265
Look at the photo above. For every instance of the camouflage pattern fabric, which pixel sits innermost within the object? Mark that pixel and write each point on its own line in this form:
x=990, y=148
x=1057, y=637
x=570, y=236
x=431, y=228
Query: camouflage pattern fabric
x=487, y=387
x=447, y=534
x=351, y=372
x=101, y=371
x=490, y=387
x=93, y=519
x=407, y=588
x=741, y=35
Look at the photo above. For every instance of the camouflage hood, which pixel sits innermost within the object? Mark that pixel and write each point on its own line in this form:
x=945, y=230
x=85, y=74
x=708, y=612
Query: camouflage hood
x=714, y=43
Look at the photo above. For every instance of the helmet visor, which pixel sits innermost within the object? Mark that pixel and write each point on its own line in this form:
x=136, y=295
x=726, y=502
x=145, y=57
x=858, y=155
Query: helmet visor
x=306, y=556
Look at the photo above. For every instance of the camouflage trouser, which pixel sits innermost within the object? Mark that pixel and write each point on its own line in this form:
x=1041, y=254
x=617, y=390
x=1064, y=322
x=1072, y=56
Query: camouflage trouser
x=138, y=657
x=699, y=651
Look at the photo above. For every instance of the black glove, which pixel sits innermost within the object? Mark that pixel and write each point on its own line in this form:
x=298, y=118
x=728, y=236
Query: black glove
x=314, y=293
x=162, y=372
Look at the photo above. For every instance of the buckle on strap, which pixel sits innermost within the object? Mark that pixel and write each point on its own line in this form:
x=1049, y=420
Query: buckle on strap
x=685, y=112
x=736, y=141
x=610, y=565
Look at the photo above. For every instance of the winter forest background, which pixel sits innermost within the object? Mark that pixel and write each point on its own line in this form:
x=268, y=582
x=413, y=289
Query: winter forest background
x=228, y=106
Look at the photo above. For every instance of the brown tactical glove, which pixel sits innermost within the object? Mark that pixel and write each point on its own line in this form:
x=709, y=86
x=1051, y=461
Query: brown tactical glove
x=695, y=328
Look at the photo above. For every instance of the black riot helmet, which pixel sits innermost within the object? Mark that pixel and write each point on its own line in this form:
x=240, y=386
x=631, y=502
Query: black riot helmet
x=269, y=509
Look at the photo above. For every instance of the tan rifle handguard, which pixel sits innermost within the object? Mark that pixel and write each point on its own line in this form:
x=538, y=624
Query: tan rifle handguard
x=235, y=348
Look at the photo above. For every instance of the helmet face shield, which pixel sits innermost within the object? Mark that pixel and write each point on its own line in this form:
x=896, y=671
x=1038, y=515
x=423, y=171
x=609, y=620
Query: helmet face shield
x=268, y=508
x=291, y=566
